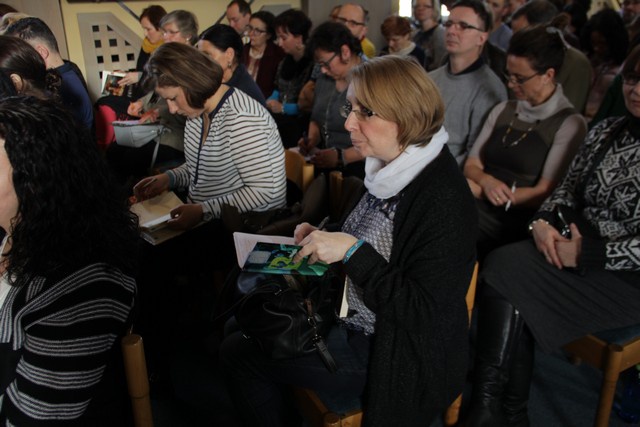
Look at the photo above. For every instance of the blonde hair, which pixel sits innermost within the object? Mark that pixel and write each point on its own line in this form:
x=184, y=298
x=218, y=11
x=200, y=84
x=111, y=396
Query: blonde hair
x=399, y=90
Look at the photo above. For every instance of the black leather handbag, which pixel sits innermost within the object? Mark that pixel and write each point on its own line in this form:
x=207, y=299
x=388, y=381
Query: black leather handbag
x=287, y=316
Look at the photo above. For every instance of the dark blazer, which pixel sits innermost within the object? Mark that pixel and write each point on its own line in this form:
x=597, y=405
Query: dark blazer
x=418, y=360
x=266, y=77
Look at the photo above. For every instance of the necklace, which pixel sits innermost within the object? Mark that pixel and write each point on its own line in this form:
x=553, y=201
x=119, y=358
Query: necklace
x=523, y=136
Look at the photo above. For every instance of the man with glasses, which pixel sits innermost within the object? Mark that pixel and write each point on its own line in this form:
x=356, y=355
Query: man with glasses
x=355, y=17
x=239, y=15
x=468, y=86
x=575, y=73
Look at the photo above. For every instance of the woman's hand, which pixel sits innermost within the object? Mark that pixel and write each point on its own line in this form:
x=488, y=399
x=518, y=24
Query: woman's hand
x=135, y=109
x=185, y=216
x=130, y=78
x=302, y=231
x=324, y=246
x=325, y=159
x=546, y=238
x=151, y=186
x=496, y=191
x=569, y=251
x=275, y=106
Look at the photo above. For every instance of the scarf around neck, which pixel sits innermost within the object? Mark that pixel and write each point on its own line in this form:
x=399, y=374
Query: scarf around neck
x=386, y=180
x=149, y=47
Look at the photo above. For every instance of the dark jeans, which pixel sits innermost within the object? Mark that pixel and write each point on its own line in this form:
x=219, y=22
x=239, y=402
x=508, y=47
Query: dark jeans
x=259, y=385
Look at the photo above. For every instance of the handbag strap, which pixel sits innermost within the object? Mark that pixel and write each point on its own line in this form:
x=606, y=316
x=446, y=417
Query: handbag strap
x=318, y=341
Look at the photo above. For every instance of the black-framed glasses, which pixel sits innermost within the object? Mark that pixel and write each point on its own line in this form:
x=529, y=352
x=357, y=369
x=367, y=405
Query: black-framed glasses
x=517, y=80
x=251, y=29
x=461, y=25
x=362, y=114
x=349, y=22
x=631, y=79
x=327, y=64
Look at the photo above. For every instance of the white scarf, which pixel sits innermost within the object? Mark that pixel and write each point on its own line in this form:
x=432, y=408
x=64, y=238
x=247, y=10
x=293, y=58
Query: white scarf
x=384, y=181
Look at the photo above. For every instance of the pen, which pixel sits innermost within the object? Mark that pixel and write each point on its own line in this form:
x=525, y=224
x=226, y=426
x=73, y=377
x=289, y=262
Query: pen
x=513, y=190
x=323, y=223
x=148, y=183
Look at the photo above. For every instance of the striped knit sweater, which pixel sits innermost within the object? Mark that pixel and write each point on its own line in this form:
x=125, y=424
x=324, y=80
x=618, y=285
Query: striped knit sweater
x=241, y=162
x=62, y=331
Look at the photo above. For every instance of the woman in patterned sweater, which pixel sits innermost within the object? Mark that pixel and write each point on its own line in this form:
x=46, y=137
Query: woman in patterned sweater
x=580, y=274
x=65, y=264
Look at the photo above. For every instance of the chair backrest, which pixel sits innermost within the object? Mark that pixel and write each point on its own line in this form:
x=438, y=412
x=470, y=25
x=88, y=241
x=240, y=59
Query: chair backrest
x=135, y=368
x=298, y=170
x=312, y=209
x=342, y=193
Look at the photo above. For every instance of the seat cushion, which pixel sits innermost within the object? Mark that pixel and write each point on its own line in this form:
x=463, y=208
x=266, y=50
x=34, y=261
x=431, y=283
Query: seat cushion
x=620, y=335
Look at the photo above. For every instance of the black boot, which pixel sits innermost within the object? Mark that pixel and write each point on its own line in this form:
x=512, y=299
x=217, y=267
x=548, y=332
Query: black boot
x=499, y=329
x=516, y=393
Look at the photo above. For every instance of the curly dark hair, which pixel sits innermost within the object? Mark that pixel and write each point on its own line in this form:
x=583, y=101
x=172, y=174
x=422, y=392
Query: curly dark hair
x=70, y=211
x=268, y=19
x=609, y=24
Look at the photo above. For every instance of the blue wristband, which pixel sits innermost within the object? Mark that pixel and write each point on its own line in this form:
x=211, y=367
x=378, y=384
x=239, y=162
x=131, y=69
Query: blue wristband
x=172, y=180
x=352, y=250
x=290, y=109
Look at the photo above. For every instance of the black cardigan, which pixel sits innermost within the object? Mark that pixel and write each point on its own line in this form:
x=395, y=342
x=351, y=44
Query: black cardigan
x=418, y=360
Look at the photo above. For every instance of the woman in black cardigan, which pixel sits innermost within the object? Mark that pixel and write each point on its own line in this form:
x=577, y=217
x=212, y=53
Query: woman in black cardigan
x=408, y=252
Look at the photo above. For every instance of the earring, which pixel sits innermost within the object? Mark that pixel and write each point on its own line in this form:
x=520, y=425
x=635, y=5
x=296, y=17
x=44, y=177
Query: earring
x=229, y=65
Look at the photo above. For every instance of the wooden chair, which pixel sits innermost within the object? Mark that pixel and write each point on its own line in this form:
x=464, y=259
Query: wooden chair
x=318, y=415
x=611, y=352
x=298, y=170
x=135, y=368
x=343, y=193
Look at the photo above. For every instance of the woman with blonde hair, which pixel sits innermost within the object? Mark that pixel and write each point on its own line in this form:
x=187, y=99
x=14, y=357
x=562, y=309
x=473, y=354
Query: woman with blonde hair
x=408, y=250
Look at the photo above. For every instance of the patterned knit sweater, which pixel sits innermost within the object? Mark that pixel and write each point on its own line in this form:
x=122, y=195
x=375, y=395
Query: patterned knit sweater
x=60, y=332
x=610, y=202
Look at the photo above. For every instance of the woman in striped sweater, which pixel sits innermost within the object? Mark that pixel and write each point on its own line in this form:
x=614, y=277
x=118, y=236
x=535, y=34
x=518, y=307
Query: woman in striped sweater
x=65, y=265
x=232, y=148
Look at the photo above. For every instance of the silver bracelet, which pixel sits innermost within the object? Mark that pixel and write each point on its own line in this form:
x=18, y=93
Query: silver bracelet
x=537, y=220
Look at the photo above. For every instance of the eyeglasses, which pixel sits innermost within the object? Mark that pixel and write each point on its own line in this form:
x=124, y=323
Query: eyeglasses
x=461, y=25
x=349, y=22
x=251, y=29
x=362, y=114
x=327, y=64
x=516, y=80
x=631, y=79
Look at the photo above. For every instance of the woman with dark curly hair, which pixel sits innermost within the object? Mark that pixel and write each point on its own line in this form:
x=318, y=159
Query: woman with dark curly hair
x=606, y=42
x=66, y=265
